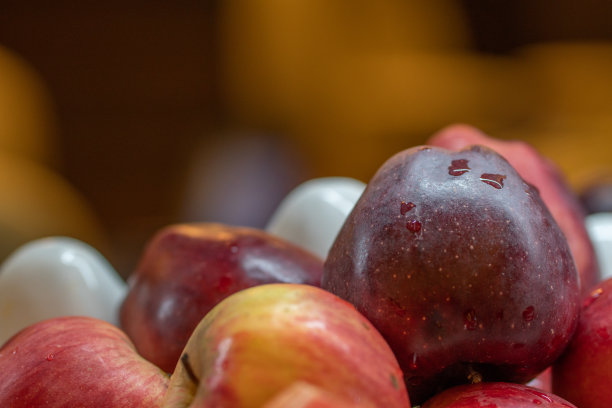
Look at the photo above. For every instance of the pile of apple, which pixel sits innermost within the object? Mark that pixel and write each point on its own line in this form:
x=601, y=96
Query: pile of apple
x=462, y=275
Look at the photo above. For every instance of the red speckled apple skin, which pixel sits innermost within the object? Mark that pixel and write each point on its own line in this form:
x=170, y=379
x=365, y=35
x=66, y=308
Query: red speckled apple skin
x=542, y=173
x=456, y=260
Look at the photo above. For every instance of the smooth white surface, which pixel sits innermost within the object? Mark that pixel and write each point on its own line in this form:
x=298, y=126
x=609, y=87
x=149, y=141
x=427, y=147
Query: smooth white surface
x=312, y=214
x=599, y=227
x=57, y=276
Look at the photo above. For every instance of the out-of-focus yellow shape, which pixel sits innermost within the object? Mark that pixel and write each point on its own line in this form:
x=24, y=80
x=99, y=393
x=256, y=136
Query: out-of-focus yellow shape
x=392, y=94
x=37, y=202
x=370, y=107
x=28, y=124
x=573, y=78
x=274, y=53
x=572, y=121
x=352, y=82
x=580, y=146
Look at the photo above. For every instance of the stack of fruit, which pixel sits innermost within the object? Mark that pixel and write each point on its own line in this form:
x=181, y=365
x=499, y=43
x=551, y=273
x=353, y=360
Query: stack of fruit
x=461, y=272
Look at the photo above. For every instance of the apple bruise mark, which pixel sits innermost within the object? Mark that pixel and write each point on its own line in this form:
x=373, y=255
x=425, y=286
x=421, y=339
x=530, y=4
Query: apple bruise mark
x=189, y=369
x=394, y=382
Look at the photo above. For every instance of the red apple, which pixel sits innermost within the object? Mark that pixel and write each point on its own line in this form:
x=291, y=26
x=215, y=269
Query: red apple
x=537, y=170
x=261, y=340
x=459, y=264
x=77, y=362
x=496, y=395
x=583, y=374
x=187, y=269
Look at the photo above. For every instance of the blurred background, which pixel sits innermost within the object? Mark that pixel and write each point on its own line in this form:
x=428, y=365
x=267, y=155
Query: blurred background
x=120, y=117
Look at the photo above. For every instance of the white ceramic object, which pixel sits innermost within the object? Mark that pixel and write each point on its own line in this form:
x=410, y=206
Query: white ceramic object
x=312, y=214
x=599, y=227
x=57, y=276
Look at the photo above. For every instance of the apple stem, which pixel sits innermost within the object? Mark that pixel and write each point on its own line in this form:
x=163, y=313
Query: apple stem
x=474, y=376
x=188, y=369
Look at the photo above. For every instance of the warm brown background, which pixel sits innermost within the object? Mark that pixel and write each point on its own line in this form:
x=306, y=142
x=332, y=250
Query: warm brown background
x=148, y=93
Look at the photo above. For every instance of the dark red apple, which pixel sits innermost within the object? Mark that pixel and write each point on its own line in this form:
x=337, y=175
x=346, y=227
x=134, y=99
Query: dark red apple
x=539, y=171
x=77, y=362
x=187, y=269
x=583, y=374
x=459, y=264
x=496, y=395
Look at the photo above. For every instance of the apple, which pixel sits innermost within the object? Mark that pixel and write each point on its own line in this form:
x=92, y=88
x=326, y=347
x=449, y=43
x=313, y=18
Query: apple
x=77, y=361
x=496, y=395
x=261, y=340
x=186, y=269
x=459, y=264
x=304, y=395
x=53, y=277
x=583, y=374
x=311, y=214
x=542, y=173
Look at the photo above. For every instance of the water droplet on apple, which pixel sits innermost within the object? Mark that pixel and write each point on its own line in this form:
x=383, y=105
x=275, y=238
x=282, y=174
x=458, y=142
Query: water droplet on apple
x=413, y=226
x=50, y=357
x=495, y=180
x=542, y=396
x=528, y=313
x=458, y=167
x=593, y=296
x=547, y=398
x=470, y=322
x=413, y=364
x=406, y=206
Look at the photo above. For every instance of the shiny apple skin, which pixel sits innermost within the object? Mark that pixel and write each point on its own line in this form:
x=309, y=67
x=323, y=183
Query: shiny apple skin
x=465, y=278
x=305, y=395
x=496, y=395
x=536, y=169
x=261, y=340
x=77, y=361
x=186, y=269
x=583, y=374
